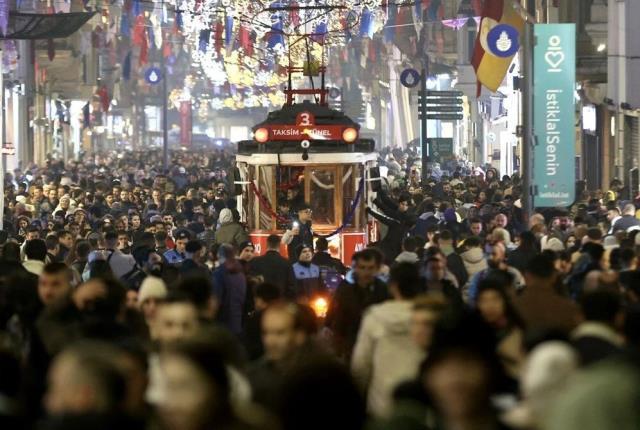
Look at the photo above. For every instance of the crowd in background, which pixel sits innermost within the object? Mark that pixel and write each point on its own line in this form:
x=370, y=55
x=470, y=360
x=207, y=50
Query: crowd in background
x=132, y=298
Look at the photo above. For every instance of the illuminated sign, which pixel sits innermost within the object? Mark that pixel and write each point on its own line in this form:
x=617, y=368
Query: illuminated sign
x=299, y=132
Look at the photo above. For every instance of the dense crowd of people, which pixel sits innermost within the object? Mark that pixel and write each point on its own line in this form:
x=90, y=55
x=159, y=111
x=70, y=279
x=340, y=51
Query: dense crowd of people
x=133, y=298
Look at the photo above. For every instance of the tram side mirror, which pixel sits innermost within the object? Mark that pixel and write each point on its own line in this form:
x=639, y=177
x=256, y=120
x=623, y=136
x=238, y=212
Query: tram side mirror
x=374, y=178
x=237, y=188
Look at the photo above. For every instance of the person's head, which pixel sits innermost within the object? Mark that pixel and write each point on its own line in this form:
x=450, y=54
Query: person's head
x=123, y=239
x=320, y=381
x=194, y=250
x=52, y=243
x=282, y=330
x=306, y=254
x=366, y=265
x=435, y=269
x=246, y=251
x=304, y=213
x=197, y=387
x=404, y=202
x=594, y=235
x=199, y=290
x=629, y=209
x=35, y=249
x=410, y=244
x=273, y=242
x=322, y=244
x=111, y=239
x=426, y=312
x=65, y=238
x=501, y=220
x=135, y=221
x=603, y=306
x=182, y=238
x=613, y=213
x=495, y=306
x=497, y=255
x=404, y=281
x=152, y=292
x=176, y=318
x=266, y=294
x=541, y=269
x=475, y=226
x=54, y=283
x=85, y=379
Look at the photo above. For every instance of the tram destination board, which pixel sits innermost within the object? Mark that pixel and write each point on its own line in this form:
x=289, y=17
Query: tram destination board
x=446, y=102
x=445, y=94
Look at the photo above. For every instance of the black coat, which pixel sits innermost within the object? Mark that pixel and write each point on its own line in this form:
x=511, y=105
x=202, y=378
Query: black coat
x=346, y=310
x=274, y=269
x=304, y=237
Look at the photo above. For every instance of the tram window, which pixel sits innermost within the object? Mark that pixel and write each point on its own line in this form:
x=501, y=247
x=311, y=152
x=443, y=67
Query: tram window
x=321, y=196
x=348, y=194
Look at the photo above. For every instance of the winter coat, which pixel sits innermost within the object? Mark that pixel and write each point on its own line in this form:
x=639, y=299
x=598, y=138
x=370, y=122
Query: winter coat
x=474, y=261
x=274, y=269
x=385, y=355
x=230, y=289
x=230, y=232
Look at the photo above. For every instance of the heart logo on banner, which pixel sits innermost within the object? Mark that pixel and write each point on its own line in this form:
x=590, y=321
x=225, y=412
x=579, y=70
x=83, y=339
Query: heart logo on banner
x=554, y=59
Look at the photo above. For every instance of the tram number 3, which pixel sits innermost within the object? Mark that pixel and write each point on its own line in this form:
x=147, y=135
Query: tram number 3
x=305, y=119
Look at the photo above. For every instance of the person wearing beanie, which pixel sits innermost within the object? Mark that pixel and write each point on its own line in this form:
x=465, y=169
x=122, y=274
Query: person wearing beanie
x=230, y=232
x=152, y=291
x=307, y=275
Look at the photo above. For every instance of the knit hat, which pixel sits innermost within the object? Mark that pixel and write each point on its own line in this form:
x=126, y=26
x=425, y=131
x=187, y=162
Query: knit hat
x=152, y=287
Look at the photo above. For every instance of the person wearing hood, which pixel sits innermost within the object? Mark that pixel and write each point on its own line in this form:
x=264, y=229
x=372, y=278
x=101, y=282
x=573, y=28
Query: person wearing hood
x=230, y=232
x=473, y=256
x=230, y=290
x=385, y=354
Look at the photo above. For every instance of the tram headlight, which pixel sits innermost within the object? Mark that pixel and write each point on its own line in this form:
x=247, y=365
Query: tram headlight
x=305, y=144
x=350, y=135
x=261, y=135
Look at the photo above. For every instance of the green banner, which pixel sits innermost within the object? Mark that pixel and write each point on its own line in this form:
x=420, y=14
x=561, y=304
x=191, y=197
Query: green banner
x=554, y=64
x=440, y=147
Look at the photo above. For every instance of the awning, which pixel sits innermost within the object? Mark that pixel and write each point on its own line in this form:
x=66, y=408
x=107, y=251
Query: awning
x=45, y=26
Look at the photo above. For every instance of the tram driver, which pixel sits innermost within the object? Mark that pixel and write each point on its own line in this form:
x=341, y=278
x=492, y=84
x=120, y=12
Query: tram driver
x=299, y=232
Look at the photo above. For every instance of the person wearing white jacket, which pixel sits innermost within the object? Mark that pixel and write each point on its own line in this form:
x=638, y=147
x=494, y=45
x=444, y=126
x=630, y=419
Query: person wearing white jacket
x=385, y=355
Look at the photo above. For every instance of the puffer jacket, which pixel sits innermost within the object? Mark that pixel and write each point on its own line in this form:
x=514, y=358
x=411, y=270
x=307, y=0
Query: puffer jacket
x=474, y=261
x=385, y=355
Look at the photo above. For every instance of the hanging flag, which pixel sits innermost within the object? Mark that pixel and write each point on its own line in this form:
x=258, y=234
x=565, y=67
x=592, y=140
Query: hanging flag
x=144, y=53
x=490, y=65
x=137, y=8
x=125, y=24
x=366, y=23
x=126, y=67
x=4, y=16
x=389, y=30
x=228, y=30
x=244, y=37
x=104, y=98
x=178, y=20
x=276, y=35
x=217, y=36
x=203, y=40
x=320, y=33
x=477, y=7
x=9, y=55
x=151, y=36
x=166, y=49
x=294, y=15
x=435, y=10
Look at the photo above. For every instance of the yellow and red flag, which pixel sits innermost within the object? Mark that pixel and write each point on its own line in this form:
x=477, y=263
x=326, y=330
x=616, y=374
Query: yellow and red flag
x=493, y=52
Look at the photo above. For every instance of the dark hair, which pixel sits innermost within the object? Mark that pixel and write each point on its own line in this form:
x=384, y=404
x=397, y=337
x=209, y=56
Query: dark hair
x=406, y=277
x=528, y=241
x=57, y=268
x=626, y=256
x=322, y=244
x=510, y=311
x=410, y=244
x=36, y=249
x=83, y=248
x=541, y=266
x=197, y=289
x=368, y=254
x=601, y=305
x=267, y=292
x=446, y=235
x=51, y=242
x=273, y=241
x=594, y=233
x=472, y=242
